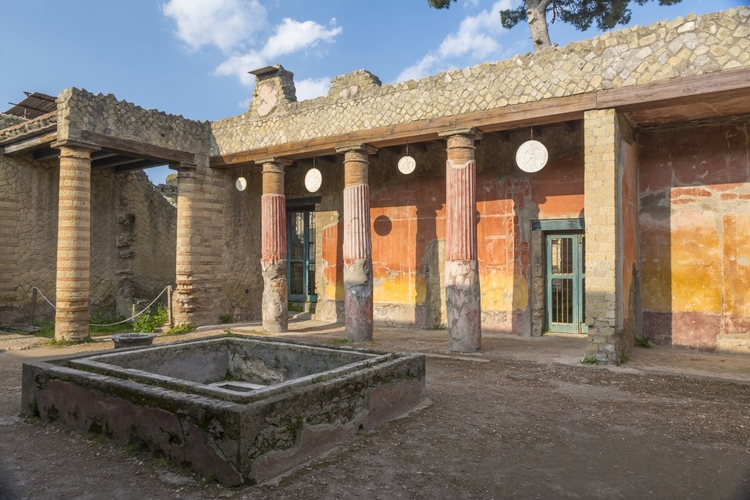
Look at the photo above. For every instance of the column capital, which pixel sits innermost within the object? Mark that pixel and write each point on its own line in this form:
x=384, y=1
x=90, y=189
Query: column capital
x=282, y=162
x=470, y=131
x=184, y=165
x=365, y=148
x=73, y=144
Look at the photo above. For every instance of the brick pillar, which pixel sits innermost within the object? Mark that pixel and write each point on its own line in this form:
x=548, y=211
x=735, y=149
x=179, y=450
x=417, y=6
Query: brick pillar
x=184, y=297
x=462, y=296
x=73, y=243
x=357, y=243
x=275, y=307
x=602, y=142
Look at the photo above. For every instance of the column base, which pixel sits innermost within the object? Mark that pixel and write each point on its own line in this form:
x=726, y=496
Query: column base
x=275, y=306
x=463, y=305
x=358, y=300
x=71, y=323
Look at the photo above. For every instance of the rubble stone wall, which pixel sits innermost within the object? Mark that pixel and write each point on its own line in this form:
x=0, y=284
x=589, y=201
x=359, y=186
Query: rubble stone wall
x=632, y=56
x=137, y=250
x=79, y=110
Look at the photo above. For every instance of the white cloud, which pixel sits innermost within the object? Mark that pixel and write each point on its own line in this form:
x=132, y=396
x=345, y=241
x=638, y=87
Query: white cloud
x=290, y=36
x=310, y=88
x=223, y=23
x=475, y=40
x=235, y=25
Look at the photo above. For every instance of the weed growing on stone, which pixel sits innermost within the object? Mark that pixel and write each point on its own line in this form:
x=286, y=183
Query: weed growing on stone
x=131, y=450
x=151, y=320
x=643, y=342
x=208, y=480
x=64, y=343
x=589, y=360
x=98, y=439
x=229, y=333
x=438, y=327
x=624, y=358
x=295, y=307
x=162, y=463
x=180, y=329
x=47, y=329
x=225, y=318
x=340, y=341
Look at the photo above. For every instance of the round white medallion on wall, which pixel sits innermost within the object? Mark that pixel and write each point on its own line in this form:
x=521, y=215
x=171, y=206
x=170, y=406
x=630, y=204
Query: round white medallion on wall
x=532, y=156
x=406, y=165
x=313, y=180
x=241, y=184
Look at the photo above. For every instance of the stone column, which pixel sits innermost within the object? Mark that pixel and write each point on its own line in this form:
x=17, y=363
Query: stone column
x=357, y=243
x=273, y=246
x=462, y=296
x=605, y=135
x=73, y=242
x=184, y=297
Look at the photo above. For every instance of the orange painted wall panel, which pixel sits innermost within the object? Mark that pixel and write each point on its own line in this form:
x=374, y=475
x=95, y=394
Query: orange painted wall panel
x=695, y=232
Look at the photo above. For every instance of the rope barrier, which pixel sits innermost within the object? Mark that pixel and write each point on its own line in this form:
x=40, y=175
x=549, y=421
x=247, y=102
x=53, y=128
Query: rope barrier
x=119, y=322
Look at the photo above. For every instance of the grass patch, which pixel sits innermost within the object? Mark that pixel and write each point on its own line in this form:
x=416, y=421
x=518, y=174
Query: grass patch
x=438, y=327
x=225, y=319
x=229, y=333
x=296, y=307
x=624, y=358
x=152, y=319
x=589, y=360
x=96, y=331
x=48, y=328
x=162, y=463
x=340, y=341
x=643, y=342
x=98, y=439
x=180, y=329
x=64, y=343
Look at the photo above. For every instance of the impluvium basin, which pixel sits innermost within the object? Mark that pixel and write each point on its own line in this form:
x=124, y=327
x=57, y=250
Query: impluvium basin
x=241, y=408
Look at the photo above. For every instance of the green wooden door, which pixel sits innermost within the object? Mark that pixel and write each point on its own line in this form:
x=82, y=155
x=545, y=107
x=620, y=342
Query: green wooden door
x=301, y=256
x=565, y=283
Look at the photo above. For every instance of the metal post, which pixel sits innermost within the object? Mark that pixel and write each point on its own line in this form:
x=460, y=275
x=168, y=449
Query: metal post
x=169, y=306
x=33, y=306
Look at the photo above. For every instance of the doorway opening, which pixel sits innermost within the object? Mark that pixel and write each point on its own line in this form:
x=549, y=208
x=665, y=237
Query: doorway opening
x=300, y=269
x=565, y=282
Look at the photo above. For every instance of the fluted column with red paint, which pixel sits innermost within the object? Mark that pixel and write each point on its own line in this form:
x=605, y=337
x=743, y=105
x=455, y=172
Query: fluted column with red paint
x=275, y=306
x=357, y=243
x=462, y=294
x=72, y=289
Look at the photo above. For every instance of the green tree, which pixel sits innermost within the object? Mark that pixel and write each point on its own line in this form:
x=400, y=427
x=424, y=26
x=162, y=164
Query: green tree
x=580, y=13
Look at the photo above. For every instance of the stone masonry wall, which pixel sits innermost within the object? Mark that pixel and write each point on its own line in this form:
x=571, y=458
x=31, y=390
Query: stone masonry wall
x=28, y=232
x=81, y=110
x=133, y=231
x=9, y=120
x=633, y=56
x=602, y=141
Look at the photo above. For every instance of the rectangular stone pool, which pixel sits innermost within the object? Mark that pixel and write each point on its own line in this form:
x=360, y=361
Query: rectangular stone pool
x=240, y=408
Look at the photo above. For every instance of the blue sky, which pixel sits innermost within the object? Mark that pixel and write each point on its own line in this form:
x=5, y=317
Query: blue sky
x=191, y=57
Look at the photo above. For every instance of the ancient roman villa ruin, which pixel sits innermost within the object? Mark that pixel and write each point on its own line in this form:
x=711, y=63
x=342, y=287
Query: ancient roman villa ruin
x=638, y=224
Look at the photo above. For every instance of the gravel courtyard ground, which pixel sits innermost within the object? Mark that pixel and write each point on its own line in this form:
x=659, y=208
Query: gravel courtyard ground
x=524, y=419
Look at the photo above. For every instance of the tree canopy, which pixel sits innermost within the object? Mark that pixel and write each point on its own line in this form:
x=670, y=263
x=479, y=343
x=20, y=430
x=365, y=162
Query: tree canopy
x=580, y=13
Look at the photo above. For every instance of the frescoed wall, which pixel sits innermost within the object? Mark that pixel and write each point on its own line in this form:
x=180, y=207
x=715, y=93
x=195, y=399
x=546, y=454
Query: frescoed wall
x=695, y=232
x=407, y=214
